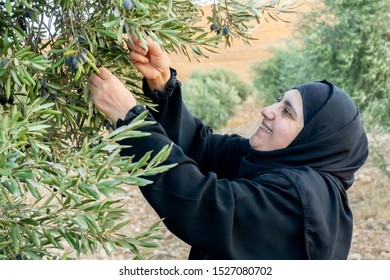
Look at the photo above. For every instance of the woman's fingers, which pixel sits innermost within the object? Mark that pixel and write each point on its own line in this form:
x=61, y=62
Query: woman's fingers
x=110, y=95
x=153, y=46
x=135, y=46
x=104, y=73
x=94, y=79
x=136, y=57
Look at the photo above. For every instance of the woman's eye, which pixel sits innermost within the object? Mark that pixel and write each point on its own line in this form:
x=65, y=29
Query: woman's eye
x=278, y=99
x=287, y=112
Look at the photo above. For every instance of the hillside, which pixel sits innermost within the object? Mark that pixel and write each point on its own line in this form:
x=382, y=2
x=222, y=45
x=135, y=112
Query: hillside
x=239, y=57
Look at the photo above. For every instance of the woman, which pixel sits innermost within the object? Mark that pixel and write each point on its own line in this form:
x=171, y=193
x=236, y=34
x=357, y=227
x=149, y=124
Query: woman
x=281, y=194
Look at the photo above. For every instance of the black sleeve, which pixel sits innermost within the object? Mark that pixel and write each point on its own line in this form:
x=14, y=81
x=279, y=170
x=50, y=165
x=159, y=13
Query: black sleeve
x=217, y=153
x=225, y=219
x=172, y=113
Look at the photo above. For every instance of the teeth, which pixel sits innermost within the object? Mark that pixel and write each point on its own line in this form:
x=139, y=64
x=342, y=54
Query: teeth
x=266, y=129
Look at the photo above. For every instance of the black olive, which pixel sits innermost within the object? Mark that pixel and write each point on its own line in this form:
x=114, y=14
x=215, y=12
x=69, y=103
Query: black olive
x=11, y=99
x=3, y=99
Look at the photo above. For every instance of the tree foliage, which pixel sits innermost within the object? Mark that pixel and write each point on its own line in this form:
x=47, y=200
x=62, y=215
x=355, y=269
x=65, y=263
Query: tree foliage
x=61, y=175
x=345, y=42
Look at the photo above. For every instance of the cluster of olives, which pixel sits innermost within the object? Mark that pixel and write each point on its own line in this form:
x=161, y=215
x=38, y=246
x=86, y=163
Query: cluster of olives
x=45, y=90
x=225, y=29
x=22, y=21
x=73, y=62
x=4, y=100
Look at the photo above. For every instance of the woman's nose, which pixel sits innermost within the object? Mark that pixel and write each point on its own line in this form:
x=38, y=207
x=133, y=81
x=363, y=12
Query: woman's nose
x=268, y=112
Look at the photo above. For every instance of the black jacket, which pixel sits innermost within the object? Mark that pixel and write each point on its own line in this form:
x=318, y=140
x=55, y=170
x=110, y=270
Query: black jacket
x=229, y=201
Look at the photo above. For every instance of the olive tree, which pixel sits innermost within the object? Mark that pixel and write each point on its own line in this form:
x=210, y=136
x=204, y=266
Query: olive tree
x=61, y=175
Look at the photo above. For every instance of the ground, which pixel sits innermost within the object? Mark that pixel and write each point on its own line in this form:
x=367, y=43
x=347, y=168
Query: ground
x=369, y=197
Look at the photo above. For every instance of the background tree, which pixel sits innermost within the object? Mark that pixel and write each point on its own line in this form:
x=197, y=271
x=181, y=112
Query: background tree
x=61, y=175
x=345, y=42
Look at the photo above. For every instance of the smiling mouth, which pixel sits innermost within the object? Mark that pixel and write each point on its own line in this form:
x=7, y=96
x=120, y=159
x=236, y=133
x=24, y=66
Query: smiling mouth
x=265, y=128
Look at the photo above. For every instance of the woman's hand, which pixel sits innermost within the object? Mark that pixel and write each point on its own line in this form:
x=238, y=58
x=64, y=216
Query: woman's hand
x=110, y=95
x=153, y=63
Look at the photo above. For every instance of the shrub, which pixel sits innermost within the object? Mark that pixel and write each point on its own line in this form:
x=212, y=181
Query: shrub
x=213, y=96
x=228, y=77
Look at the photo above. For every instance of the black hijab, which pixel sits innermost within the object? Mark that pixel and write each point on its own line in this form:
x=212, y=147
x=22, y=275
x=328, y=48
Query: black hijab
x=332, y=140
x=314, y=96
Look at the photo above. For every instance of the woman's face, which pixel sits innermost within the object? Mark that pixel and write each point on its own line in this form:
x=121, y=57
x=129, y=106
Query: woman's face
x=281, y=123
